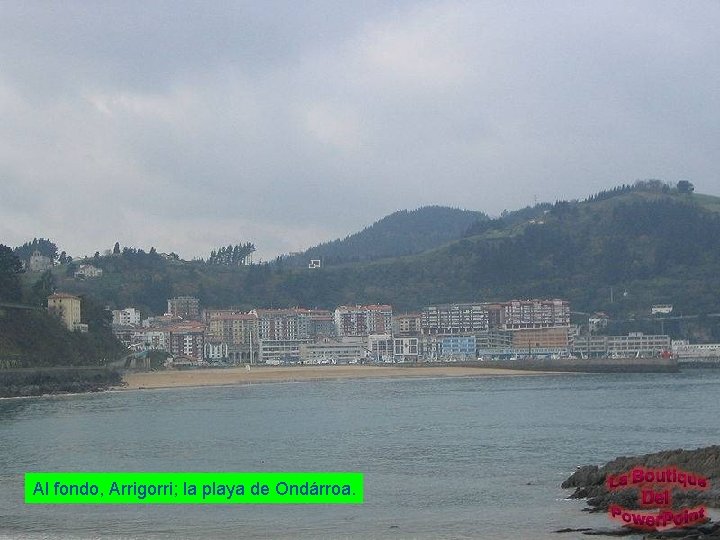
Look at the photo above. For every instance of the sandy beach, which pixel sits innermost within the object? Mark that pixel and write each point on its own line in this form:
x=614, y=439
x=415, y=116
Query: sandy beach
x=240, y=375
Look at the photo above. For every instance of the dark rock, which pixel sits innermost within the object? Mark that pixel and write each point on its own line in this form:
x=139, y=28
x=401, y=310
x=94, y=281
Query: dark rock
x=623, y=531
x=588, y=475
x=589, y=481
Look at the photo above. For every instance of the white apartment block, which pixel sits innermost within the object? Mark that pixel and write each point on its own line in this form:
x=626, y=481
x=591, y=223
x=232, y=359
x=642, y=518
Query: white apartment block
x=149, y=340
x=406, y=349
x=529, y=314
x=88, y=271
x=449, y=319
x=215, y=351
x=126, y=317
x=380, y=347
x=279, y=351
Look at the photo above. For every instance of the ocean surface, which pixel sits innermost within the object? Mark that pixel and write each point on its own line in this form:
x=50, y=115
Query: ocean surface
x=442, y=458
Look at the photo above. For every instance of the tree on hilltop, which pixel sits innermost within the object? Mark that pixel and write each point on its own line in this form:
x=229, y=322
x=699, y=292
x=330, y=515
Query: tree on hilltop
x=683, y=186
x=232, y=255
x=41, y=245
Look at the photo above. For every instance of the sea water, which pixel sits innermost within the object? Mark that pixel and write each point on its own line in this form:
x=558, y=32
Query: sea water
x=475, y=457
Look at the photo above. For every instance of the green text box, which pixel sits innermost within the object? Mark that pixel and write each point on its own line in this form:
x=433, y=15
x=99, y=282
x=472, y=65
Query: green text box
x=193, y=488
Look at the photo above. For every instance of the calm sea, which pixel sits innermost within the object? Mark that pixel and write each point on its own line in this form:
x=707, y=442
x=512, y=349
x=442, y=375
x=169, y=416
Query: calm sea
x=442, y=458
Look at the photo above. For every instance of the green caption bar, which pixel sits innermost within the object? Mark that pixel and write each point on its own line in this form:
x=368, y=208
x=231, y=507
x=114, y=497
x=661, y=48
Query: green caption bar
x=193, y=488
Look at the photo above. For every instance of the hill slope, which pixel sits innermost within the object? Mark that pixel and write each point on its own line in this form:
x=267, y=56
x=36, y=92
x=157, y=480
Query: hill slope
x=401, y=233
x=649, y=246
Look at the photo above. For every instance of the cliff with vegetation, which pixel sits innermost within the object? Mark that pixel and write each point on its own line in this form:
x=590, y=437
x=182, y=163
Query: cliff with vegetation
x=32, y=338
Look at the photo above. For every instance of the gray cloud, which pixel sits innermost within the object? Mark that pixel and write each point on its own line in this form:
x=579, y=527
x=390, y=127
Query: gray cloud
x=190, y=125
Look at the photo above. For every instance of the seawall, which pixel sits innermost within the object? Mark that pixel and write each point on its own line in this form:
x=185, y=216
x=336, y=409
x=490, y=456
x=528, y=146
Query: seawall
x=591, y=365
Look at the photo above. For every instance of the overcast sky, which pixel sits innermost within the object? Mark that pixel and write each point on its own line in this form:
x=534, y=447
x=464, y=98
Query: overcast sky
x=189, y=125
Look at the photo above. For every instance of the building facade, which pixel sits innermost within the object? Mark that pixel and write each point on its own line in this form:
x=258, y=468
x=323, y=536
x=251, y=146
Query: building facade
x=331, y=352
x=363, y=320
x=380, y=347
x=67, y=308
x=215, y=351
x=186, y=339
x=150, y=339
x=458, y=347
x=280, y=351
x=407, y=324
x=39, y=262
x=185, y=307
x=634, y=344
x=126, y=317
x=449, y=319
x=531, y=314
x=406, y=349
x=688, y=352
x=240, y=331
x=88, y=271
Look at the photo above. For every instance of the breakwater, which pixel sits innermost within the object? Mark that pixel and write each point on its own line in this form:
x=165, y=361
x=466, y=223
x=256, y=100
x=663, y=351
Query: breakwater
x=580, y=365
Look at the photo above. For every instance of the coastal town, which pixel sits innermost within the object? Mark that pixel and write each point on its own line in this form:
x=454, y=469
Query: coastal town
x=193, y=335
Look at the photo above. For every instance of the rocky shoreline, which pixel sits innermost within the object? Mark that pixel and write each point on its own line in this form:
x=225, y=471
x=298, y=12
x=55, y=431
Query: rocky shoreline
x=589, y=483
x=58, y=380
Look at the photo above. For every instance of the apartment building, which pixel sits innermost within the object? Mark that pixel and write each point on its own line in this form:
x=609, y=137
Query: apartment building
x=407, y=324
x=634, y=344
x=380, y=347
x=363, y=320
x=126, y=317
x=88, y=271
x=215, y=351
x=240, y=331
x=280, y=351
x=406, y=349
x=67, y=308
x=186, y=307
x=282, y=324
x=541, y=338
x=321, y=323
x=458, y=347
x=331, y=352
x=448, y=319
x=186, y=339
x=529, y=314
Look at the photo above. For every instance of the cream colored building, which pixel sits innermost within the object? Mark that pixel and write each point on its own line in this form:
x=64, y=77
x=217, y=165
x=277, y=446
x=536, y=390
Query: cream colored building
x=67, y=308
x=238, y=330
x=39, y=262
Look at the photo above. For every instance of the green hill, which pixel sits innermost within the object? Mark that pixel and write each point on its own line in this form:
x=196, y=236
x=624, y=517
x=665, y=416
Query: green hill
x=401, y=233
x=647, y=243
x=658, y=246
x=36, y=339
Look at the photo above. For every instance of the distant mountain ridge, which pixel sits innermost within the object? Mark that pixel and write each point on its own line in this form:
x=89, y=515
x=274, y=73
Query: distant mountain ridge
x=404, y=232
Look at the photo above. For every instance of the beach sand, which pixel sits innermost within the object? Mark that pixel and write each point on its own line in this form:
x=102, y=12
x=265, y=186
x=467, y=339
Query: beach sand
x=240, y=375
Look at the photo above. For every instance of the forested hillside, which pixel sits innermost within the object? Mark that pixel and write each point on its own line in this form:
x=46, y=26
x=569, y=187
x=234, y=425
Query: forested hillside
x=401, y=233
x=31, y=337
x=647, y=243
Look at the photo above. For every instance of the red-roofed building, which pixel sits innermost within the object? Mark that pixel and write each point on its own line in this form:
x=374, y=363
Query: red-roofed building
x=186, y=339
